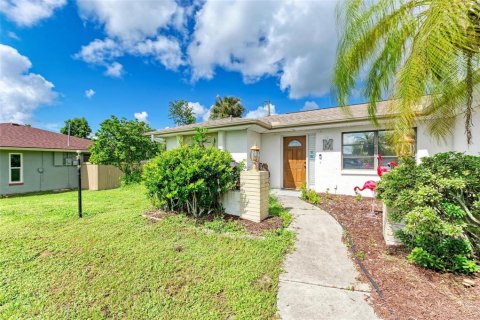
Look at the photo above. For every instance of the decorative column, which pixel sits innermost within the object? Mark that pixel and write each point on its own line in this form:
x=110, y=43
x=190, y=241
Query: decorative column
x=254, y=192
x=390, y=228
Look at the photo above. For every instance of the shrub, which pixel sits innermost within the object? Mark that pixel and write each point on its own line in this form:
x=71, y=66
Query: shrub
x=134, y=177
x=309, y=195
x=438, y=201
x=189, y=179
x=313, y=197
x=303, y=192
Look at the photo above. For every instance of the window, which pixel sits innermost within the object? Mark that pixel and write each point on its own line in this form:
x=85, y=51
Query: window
x=294, y=144
x=16, y=168
x=360, y=150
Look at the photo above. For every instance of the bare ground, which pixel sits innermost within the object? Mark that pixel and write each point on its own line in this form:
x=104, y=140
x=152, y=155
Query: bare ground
x=252, y=228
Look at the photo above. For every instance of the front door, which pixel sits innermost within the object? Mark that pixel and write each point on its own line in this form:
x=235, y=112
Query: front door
x=294, y=162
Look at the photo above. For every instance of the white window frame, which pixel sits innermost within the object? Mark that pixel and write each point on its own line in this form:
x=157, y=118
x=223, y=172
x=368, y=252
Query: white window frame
x=10, y=168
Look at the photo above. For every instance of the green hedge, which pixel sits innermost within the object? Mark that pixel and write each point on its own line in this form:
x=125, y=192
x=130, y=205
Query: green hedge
x=189, y=179
x=439, y=201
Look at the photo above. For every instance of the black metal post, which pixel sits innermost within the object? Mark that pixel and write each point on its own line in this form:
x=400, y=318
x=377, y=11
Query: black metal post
x=79, y=173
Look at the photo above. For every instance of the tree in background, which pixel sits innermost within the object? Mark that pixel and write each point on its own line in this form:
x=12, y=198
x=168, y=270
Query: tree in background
x=123, y=143
x=227, y=107
x=78, y=127
x=409, y=49
x=181, y=113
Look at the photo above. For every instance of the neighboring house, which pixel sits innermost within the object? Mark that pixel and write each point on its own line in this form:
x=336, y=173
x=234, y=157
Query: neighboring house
x=34, y=160
x=326, y=149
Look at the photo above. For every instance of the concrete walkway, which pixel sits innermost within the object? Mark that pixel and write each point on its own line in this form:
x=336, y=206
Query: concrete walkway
x=320, y=278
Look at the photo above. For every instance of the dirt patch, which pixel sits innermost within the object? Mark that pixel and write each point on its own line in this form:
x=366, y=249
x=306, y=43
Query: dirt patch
x=158, y=215
x=258, y=228
x=253, y=228
x=45, y=254
x=409, y=292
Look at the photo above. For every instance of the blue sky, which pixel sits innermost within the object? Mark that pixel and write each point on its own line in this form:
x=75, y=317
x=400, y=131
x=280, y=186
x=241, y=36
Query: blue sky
x=135, y=57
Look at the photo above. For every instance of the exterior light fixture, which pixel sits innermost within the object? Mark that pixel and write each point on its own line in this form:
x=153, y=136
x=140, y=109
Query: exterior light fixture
x=255, y=156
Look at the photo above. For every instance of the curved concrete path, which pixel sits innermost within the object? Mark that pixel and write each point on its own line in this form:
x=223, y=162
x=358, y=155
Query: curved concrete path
x=320, y=279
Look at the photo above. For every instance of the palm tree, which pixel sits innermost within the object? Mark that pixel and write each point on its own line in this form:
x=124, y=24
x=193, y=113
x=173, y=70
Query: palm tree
x=227, y=107
x=413, y=52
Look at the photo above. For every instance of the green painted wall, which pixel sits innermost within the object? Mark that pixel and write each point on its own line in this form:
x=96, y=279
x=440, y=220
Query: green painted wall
x=54, y=177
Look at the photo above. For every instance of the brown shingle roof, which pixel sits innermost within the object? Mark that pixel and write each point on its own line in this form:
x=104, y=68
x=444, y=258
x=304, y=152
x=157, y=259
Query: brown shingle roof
x=302, y=118
x=326, y=115
x=20, y=136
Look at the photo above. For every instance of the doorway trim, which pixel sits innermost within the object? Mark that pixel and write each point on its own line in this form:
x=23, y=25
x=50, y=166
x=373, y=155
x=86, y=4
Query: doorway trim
x=304, y=137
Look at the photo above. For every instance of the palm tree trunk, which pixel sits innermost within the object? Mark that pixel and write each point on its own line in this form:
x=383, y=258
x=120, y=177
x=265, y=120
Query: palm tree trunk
x=469, y=109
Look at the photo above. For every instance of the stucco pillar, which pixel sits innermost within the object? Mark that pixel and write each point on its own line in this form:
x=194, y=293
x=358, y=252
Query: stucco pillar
x=254, y=192
x=222, y=141
x=390, y=228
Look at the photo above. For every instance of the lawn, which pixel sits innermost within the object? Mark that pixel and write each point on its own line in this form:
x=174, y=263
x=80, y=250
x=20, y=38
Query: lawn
x=114, y=263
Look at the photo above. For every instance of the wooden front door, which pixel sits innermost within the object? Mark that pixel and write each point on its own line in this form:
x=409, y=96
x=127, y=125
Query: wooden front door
x=294, y=162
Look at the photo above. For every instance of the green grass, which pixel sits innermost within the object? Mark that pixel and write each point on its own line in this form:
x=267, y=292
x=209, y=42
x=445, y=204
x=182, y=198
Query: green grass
x=114, y=263
x=276, y=209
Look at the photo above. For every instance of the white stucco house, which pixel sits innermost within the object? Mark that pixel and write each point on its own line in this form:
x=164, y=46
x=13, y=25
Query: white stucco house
x=325, y=148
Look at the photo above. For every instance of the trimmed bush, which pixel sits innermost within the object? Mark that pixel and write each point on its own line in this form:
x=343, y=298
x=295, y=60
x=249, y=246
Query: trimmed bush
x=439, y=201
x=189, y=179
x=309, y=195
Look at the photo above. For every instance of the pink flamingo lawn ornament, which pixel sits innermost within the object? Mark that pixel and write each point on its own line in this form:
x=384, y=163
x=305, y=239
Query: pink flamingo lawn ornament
x=380, y=169
x=372, y=185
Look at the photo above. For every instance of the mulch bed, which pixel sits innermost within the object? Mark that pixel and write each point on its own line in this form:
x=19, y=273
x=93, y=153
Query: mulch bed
x=409, y=291
x=252, y=228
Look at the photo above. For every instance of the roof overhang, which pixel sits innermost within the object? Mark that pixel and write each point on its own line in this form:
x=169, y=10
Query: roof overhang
x=308, y=125
x=254, y=124
x=43, y=149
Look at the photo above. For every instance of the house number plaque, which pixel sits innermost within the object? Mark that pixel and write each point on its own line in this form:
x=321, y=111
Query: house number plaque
x=327, y=144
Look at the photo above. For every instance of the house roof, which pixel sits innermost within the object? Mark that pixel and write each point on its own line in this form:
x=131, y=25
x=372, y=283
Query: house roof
x=293, y=119
x=218, y=123
x=14, y=135
x=325, y=115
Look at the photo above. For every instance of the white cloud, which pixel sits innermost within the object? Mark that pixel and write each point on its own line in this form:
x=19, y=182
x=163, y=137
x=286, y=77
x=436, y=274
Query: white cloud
x=21, y=92
x=310, y=105
x=98, y=51
x=141, y=116
x=165, y=50
x=133, y=28
x=130, y=20
x=199, y=110
x=260, y=112
x=29, y=12
x=13, y=35
x=294, y=40
x=114, y=70
x=103, y=52
x=89, y=93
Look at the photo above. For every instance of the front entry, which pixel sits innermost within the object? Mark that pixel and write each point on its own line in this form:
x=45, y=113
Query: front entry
x=294, y=162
